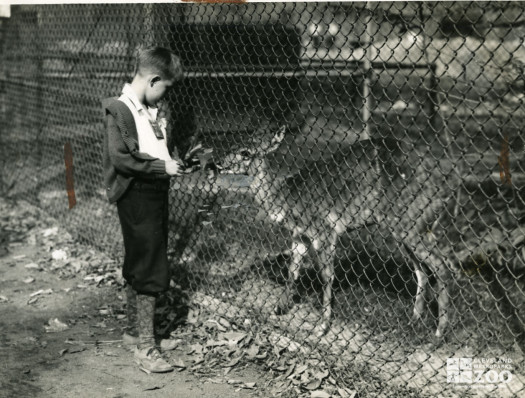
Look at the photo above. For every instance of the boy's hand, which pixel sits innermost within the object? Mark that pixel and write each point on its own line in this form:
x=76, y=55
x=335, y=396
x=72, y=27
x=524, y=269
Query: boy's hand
x=173, y=168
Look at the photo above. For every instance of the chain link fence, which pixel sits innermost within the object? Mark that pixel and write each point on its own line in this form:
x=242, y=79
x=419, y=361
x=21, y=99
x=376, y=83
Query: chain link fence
x=360, y=179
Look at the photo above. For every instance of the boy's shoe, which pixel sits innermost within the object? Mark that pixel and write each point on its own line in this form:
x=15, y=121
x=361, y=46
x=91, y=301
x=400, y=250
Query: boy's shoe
x=128, y=339
x=150, y=361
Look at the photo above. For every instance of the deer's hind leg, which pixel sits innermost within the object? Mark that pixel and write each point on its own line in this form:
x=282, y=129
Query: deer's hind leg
x=285, y=302
x=438, y=268
x=441, y=270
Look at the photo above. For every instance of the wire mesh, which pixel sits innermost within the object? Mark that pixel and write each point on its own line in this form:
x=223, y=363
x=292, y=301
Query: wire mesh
x=361, y=183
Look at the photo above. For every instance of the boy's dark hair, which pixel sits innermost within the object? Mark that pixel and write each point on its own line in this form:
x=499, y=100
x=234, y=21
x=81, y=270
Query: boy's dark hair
x=160, y=61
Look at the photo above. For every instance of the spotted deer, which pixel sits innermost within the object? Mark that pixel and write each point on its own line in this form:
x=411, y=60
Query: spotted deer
x=325, y=199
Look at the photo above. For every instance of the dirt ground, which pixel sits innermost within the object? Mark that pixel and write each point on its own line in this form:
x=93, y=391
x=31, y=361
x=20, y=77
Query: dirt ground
x=81, y=355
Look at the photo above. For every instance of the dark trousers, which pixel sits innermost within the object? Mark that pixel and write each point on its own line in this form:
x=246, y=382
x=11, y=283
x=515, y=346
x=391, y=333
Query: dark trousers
x=143, y=214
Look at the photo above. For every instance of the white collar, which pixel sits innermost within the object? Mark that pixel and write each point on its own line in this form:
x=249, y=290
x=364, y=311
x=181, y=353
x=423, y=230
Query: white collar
x=128, y=91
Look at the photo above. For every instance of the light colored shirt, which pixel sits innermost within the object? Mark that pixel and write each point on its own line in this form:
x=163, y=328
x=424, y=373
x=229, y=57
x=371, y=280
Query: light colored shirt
x=148, y=142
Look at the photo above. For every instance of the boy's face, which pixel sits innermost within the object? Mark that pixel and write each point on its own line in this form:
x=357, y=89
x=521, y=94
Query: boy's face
x=157, y=89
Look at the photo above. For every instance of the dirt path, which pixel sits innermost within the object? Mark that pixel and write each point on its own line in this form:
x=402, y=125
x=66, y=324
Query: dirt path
x=86, y=359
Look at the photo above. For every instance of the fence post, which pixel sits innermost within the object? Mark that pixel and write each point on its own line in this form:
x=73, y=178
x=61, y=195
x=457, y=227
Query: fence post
x=367, y=72
x=149, y=24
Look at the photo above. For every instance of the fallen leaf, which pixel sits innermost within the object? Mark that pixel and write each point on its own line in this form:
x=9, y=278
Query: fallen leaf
x=74, y=350
x=29, y=280
x=280, y=387
x=179, y=364
x=95, y=278
x=313, y=384
x=32, y=266
x=322, y=375
x=41, y=291
x=59, y=255
x=217, y=325
x=19, y=257
x=216, y=343
x=62, y=352
x=299, y=370
x=50, y=231
x=55, y=325
x=193, y=316
x=198, y=360
x=233, y=338
x=3, y=299
x=195, y=349
x=232, y=363
x=156, y=387
x=320, y=394
x=346, y=393
x=32, y=300
x=252, y=351
x=249, y=385
x=225, y=323
x=170, y=344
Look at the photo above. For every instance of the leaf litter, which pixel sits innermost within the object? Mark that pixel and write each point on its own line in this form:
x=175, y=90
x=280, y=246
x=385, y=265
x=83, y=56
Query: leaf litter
x=214, y=344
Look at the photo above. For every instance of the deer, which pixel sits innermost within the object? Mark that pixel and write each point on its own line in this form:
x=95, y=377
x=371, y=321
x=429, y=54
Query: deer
x=321, y=202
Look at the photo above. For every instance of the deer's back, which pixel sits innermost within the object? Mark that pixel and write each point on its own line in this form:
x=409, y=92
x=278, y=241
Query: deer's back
x=331, y=193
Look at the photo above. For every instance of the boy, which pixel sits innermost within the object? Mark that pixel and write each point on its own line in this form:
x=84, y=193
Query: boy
x=137, y=169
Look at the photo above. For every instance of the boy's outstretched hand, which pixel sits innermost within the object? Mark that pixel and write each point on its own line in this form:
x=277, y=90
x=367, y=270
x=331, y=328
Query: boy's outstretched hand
x=173, y=168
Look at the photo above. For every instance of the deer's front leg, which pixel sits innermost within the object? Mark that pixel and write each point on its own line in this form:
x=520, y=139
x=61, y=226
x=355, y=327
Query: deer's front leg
x=441, y=271
x=419, y=306
x=326, y=260
x=285, y=302
x=443, y=276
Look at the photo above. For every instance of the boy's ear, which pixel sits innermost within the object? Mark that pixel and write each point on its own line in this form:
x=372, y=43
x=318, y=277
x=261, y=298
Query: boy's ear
x=154, y=80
